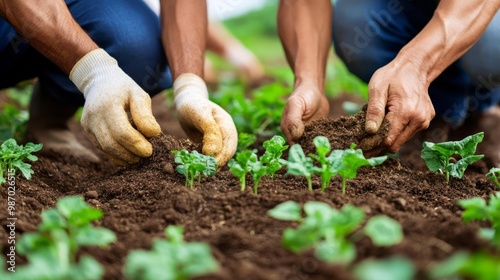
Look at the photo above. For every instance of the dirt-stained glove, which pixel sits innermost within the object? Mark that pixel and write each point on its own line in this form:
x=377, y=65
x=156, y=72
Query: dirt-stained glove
x=109, y=95
x=203, y=120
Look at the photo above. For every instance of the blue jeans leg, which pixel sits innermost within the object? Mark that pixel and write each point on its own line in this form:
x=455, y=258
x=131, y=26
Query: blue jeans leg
x=127, y=29
x=368, y=34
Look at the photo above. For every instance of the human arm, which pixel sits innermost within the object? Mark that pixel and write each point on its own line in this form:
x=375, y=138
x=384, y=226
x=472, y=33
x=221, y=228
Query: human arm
x=49, y=27
x=304, y=27
x=184, y=35
x=399, y=90
x=221, y=42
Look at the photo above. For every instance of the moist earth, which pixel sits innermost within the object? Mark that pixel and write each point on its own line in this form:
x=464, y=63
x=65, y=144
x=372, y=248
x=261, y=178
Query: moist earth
x=140, y=201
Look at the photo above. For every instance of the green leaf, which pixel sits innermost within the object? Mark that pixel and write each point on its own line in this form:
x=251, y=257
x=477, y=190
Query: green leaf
x=287, y=211
x=87, y=269
x=349, y=219
x=384, y=231
x=394, y=268
x=245, y=140
x=434, y=159
x=51, y=219
x=319, y=211
x=322, y=145
x=339, y=251
x=175, y=234
x=298, y=163
x=92, y=236
x=300, y=239
x=475, y=209
x=457, y=170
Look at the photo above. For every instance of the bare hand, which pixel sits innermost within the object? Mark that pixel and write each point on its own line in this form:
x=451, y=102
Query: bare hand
x=403, y=94
x=306, y=104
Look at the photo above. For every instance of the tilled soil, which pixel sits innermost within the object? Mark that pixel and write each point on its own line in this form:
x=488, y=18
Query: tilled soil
x=140, y=201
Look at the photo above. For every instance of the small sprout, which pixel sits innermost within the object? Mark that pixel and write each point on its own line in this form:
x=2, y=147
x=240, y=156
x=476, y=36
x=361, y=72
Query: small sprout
x=347, y=163
x=478, y=265
x=325, y=170
x=437, y=155
x=172, y=258
x=272, y=157
x=476, y=209
x=241, y=166
x=51, y=251
x=193, y=165
x=299, y=164
x=12, y=157
x=494, y=175
x=394, y=268
x=329, y=230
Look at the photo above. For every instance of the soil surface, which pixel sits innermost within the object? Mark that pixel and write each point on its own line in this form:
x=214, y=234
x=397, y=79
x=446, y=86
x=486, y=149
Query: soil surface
x=140, y=201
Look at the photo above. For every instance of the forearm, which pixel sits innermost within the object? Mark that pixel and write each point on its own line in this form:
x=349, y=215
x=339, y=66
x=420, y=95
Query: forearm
x=218, y=38
x=454, y=28
x=304, y=27
x=50, y=29
x=184, y=35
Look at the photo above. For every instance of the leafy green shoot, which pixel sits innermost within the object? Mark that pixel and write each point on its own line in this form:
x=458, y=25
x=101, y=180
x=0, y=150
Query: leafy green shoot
x=242, y=165
x=477, y=265
x=51, y=250
x=12, y=122
x=347, y=162
x=437, y=155
x=12, y=157
x=272, y=156
x=299, y=164
x=494, y=175
x=394, y=268
x=325, y=170
x=477, y=209
x=193, y=165
x=171, y=258
x=329, y=230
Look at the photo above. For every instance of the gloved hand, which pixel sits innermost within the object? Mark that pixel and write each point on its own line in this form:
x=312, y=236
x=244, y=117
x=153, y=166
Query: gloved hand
x=203, y=120
x=109, y=95
x=246, y=62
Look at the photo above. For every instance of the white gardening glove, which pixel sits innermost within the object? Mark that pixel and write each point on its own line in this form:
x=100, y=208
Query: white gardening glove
x=109, y=95
x=203, y=120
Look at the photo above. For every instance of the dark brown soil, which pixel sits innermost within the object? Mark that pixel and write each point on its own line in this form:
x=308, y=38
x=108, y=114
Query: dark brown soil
x=139, y=202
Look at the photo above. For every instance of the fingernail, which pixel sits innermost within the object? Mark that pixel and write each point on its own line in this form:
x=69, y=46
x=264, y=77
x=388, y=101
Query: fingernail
x=371, y=127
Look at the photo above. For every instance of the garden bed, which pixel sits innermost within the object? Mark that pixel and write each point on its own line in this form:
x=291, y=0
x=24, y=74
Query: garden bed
x=139, y=202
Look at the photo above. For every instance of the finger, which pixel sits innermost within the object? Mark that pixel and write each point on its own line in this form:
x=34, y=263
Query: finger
x=142, y=115
x=229, y=136
x=398, y=124
x=291, y=123
x=374, y=152
x=408, y=132
x=375, y=111
x=113, y=148
x=96, y=143
x=202, y=119
x=122, y=133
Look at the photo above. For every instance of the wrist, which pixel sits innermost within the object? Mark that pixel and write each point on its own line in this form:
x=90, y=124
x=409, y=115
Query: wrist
x=419, y=66
x=309, y=83
x=189, y=86
x=94, y=65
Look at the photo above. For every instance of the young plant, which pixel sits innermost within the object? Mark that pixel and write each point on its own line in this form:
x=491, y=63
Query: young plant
x=51, y=251
x=12, y=157
x=347, y=162
x=478, y=265
x=193, y=165
x=437, y=155
x=329, y=230
x=171, y=259
x=267, y=164
x=476, y=209
x=494, y=175
x=12, y=122
x=242, y=165
x=299, y=164
x=245, y=140
x=325, y=170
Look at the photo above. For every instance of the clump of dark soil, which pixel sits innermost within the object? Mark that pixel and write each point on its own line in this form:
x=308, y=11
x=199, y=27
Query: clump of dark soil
x=140, y=201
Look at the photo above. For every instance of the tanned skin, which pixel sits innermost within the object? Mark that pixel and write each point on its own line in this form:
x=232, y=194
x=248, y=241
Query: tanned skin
x=50, y=29
x=304, y=27
x=397, y=91
x=184, y=35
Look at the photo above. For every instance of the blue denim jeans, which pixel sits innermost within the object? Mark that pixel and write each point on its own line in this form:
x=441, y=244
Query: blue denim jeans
x=368, y=34
x=127, y=29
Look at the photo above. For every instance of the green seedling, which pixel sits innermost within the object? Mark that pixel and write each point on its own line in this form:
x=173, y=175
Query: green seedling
x=494, y=175
x=476, y=209
x=172, y=258
x=12, y=122
x=394, y=268
x=465, y=265
x=299, y=164
x=268, y=164
x=329, y=230
x=347, y=162
x=51, y=250
x=241, y=166
x=193, y=165
x=437, y=155
x=12, y=158
x=325, y=170
x=245, y=140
